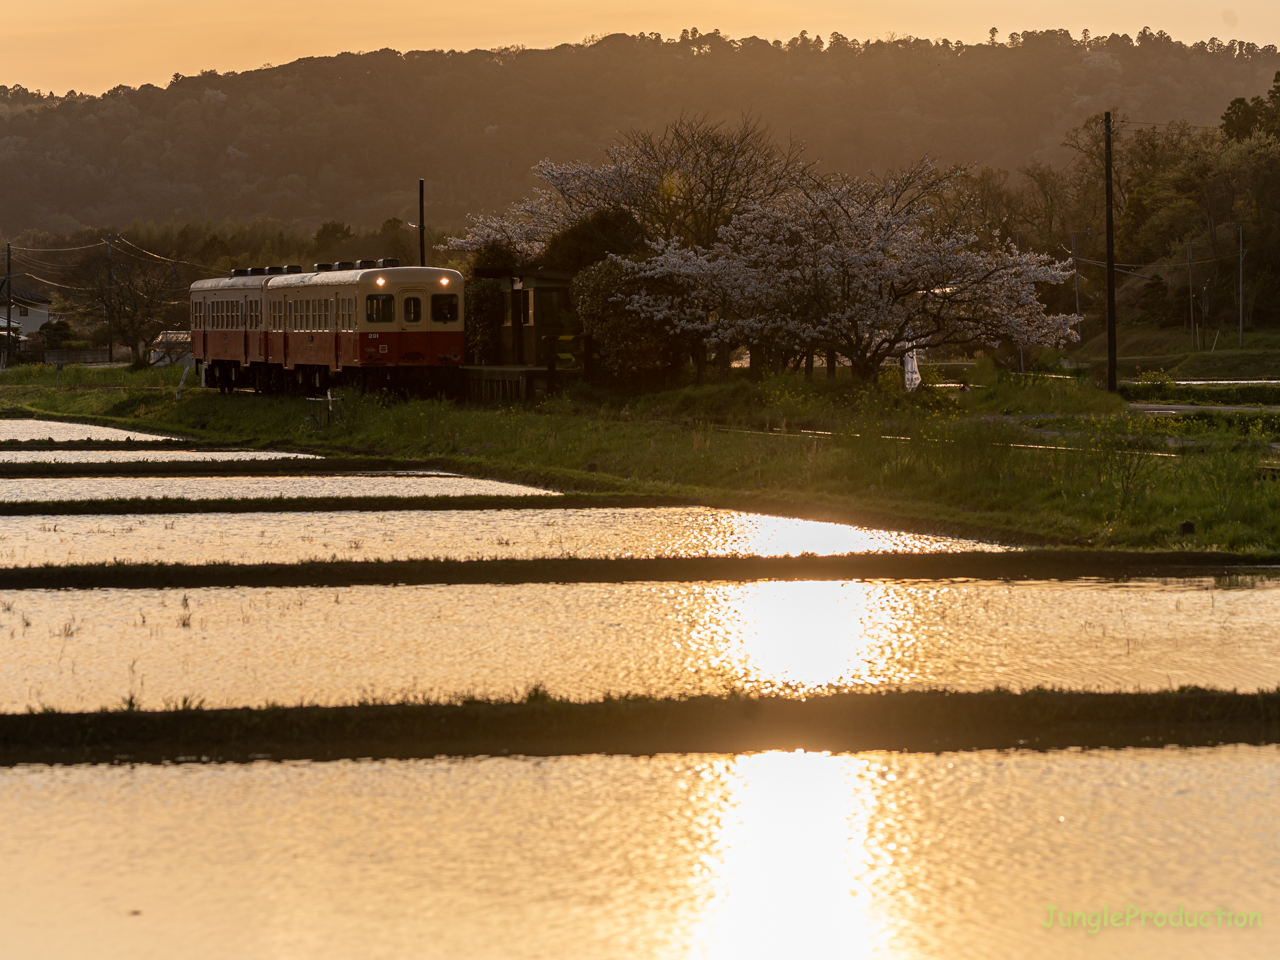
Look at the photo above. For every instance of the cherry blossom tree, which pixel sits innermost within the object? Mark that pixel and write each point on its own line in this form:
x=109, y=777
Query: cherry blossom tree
x=873, y=269
x=680, y=187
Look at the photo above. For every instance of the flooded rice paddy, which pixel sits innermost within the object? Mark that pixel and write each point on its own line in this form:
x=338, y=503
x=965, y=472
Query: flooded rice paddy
x=83, y=650
x=146, y=456
x=875, y=855
x=458, y=535
x=424, y=483
x=869, y=855
x=61, y=432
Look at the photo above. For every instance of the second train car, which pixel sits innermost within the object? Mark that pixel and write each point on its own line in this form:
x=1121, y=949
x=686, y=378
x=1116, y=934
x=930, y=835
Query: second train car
x=368, y=323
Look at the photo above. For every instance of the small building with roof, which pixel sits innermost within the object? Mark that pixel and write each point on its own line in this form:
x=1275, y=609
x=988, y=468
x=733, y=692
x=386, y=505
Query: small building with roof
x=29, y=309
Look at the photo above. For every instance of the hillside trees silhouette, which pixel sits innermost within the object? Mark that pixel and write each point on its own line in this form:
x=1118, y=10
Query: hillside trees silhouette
x=346, y=137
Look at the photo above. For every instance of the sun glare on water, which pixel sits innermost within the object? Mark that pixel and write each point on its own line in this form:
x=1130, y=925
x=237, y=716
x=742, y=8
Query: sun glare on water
x=790, y=869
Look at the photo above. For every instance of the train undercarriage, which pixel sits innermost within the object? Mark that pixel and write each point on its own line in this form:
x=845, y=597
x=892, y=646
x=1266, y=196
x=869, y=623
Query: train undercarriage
x=313, y=380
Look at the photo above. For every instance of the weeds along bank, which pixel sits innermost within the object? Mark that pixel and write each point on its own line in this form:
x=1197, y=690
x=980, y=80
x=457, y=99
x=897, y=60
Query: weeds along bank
x=1074, y=469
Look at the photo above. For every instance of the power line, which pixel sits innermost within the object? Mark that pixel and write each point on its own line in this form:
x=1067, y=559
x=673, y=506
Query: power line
x=59, y=249
x=188, y=263
x=51, y=283
x=45, y=263
x=1169, y=123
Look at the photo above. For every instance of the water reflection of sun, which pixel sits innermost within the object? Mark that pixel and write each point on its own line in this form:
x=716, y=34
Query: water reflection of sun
x=809, y=635
x=790, y=869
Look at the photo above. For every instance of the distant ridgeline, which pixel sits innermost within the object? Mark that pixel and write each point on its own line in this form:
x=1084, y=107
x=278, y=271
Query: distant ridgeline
x=345, y=138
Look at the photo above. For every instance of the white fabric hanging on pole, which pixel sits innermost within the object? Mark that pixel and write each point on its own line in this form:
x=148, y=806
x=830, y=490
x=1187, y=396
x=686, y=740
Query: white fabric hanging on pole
x=910, y=371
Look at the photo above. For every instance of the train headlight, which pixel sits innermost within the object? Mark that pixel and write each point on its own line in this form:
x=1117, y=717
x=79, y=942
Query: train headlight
x=444, y=281
x=381, y=281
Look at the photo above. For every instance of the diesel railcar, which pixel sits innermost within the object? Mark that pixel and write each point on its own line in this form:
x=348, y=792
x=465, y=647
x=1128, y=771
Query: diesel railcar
x=364, y=323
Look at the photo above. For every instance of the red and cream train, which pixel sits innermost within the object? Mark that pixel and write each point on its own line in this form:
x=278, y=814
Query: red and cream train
x=367, y=323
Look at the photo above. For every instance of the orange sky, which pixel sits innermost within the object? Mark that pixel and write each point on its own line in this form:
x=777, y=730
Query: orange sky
x=92, y=45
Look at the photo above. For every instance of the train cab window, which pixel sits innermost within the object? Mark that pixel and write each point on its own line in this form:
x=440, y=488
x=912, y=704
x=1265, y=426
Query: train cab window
x=380, y=308
x=412, y=309
x=444, y=308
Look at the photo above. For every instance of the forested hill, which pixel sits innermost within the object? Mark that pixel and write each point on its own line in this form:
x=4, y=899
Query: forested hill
x=346, y=137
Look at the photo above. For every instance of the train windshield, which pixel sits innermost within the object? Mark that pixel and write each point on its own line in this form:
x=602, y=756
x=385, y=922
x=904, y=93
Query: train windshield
x=444, y=308
x=412, y=309
x=380, y=308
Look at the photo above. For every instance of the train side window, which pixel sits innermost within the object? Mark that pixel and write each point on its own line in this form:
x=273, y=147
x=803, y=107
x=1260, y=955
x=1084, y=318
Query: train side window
x=380, y=308
x=328, y=314
x=412, y=309
x=444, y=308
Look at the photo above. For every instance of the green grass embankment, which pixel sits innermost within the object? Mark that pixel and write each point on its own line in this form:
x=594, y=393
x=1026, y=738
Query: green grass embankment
x=542, y=726
x=917, y=461
x=336, y=572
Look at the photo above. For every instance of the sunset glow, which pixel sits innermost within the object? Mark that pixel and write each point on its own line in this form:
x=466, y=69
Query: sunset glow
x=93, y=46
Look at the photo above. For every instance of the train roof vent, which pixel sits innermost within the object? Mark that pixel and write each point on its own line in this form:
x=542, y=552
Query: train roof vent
x=345, y=265
x=322, y=267
x=274, y=271
x=257, y=271
x=388, y=262
x=239, y=273
x=366, y=264
x=293, y=268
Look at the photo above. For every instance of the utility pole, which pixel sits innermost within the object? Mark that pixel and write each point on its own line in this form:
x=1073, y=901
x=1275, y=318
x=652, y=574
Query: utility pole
x=1075, y=267
x=111, y=295
x=1191, y=296
x=1240, y=298
x=8, y=303
x=422, y=223
x=1111, y=267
